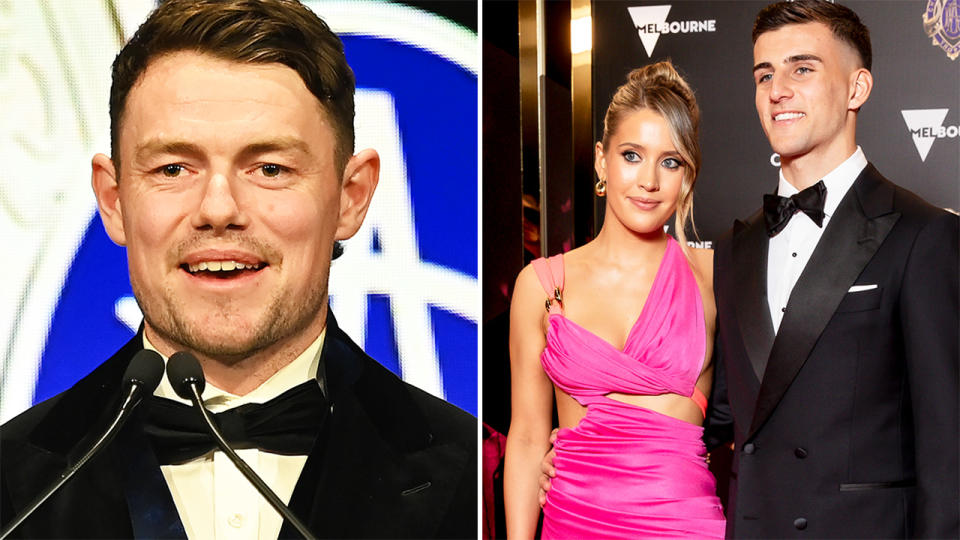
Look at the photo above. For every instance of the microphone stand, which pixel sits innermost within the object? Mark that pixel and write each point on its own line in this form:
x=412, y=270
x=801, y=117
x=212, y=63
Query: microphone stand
x=245, y=469
x=129, y=402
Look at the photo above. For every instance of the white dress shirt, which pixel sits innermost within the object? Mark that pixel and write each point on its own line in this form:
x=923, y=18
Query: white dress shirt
x=213, y=498
x=790, y=250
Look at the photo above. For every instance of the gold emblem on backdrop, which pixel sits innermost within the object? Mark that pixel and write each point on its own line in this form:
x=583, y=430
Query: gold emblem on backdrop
x=941, y=21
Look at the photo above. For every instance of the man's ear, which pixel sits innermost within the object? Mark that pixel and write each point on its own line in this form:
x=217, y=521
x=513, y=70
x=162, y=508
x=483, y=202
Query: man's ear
x=860, y=87
x=360, y=179
x=107, y=191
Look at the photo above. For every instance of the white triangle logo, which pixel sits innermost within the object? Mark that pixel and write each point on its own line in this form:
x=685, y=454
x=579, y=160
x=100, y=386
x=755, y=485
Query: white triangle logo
x=645, y=16
x=923, y=118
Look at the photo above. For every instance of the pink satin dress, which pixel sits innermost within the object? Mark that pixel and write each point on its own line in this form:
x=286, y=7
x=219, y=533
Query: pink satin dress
x=624, y=471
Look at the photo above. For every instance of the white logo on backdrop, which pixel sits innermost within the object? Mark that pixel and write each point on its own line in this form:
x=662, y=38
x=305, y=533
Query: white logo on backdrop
x=651, y=21
x=926, y=126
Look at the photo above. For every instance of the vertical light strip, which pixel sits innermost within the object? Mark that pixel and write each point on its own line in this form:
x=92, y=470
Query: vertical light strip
x=581, y=36
x=542, y=119
x=541, y=39
x=581, y=93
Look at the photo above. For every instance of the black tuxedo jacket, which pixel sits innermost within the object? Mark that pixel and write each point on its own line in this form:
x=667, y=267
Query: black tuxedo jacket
x=852, y=430
x=394, y=462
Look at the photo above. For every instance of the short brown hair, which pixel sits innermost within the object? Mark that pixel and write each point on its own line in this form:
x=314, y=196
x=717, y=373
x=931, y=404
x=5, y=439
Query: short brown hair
x=248, y=31
x=660, y=88
x=842, y=21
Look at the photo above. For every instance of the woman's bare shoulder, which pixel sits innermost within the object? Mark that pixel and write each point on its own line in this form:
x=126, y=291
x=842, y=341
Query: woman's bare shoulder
x=527, y=282
x=527, y=313
x=579, y=259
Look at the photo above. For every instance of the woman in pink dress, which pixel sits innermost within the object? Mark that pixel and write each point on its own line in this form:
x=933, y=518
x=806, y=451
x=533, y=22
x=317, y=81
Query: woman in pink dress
x=624, y=343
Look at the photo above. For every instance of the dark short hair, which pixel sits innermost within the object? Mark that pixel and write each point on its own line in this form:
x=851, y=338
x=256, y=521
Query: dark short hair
x=841, y=20
x=247, y=31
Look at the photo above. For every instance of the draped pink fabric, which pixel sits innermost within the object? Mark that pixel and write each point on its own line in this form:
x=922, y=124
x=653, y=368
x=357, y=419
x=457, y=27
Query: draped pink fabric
x=625, y=471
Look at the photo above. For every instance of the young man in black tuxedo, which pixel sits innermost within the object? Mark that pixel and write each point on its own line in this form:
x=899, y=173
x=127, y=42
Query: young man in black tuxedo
x=837, y=357
x=232, y=178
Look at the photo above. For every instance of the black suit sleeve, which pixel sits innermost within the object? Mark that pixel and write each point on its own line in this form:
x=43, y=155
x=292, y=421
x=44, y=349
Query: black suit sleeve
x=718, y=424
x=461, y=520
x=928, y=312
x=6, y=507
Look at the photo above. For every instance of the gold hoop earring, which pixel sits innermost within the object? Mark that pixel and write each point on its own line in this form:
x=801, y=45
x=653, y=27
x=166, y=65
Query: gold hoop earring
x=600, y=188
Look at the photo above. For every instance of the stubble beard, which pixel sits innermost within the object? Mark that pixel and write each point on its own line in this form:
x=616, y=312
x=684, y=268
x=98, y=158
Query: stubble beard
x=284, y=317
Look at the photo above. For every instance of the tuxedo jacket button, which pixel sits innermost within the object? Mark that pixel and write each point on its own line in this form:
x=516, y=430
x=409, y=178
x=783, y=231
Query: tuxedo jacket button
x=749, y=448
x=800, y=523
x=800, y=452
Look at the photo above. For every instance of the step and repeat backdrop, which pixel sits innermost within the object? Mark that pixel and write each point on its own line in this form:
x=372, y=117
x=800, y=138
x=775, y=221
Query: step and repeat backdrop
x=908, y=128
x=406, y=287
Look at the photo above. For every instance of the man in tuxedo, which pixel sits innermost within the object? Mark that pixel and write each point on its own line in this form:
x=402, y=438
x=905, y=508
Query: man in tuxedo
x=837, y=354
x=232, y=180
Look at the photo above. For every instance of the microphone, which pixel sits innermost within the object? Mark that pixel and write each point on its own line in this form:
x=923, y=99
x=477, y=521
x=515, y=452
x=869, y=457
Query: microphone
x=186, y=377
x=142, y=376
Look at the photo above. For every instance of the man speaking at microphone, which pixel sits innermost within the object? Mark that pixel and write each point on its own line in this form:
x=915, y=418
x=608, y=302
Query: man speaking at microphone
x=232, y=180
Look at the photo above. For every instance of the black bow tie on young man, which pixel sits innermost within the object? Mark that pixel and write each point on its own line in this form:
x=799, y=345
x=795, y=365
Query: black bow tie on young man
x=778, y=210
x=287, y=424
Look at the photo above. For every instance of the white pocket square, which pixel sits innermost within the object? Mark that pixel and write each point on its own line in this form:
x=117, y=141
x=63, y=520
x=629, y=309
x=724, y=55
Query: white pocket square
x=861, y=288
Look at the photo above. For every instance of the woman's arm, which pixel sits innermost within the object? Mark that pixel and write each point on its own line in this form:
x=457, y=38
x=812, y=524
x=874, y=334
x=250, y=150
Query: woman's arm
x=531, y=395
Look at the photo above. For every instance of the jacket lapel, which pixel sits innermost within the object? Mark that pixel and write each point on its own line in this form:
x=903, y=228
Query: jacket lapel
x=153, y=513
x=366, y=463
x=76, y=416
x=750, y=244
x=132, y=497
x=855, y=232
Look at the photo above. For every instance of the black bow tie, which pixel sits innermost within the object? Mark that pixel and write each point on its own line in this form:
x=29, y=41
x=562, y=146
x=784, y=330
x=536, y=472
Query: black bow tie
x=778, y=210
x=287, y=424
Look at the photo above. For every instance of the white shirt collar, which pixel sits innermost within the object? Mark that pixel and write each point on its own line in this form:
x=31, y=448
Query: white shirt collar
x=301, y=369
x=838, y=181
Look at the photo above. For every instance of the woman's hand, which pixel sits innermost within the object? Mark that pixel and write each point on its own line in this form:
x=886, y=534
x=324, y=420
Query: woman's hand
x=547, y=471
